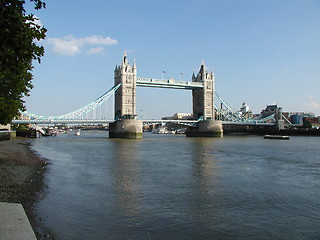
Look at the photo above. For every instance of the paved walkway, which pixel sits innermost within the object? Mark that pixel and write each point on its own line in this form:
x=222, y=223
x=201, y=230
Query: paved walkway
x=14, y=223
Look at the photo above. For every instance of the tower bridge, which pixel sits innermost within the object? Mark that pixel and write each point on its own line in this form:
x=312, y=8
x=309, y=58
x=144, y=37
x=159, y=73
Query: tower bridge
x=208, y=117
x=127, y=126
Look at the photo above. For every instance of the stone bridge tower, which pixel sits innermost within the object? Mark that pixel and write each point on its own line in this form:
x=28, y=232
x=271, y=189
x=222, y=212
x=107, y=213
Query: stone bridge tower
x=203, y=99
x=125, y=125
x=203, y=107
x=125, y=96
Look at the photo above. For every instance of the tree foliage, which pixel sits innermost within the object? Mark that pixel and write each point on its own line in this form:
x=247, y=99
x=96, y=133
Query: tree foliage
x=19, y=34
x=306, y=123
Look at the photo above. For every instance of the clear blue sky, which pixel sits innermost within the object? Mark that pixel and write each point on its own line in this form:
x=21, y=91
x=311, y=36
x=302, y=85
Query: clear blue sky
x=262, y=52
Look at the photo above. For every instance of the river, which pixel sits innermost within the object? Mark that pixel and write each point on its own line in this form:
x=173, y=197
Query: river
x=174, y=187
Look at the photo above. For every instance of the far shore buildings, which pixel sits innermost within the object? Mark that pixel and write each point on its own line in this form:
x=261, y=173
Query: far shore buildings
x=296, y=119
x=180, y=116
x=5, y=127
x=245, y=110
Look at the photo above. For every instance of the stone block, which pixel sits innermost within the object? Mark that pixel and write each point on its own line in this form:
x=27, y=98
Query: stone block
x=206, y=128
x=126, y=128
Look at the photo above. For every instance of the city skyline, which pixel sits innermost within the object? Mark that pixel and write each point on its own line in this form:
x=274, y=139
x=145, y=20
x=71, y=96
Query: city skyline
x=261, y=52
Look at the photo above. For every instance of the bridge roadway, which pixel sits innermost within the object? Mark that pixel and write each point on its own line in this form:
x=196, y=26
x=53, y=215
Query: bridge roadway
x=145, y=122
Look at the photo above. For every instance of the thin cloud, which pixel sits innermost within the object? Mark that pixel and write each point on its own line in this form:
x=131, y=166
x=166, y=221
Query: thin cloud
x=313, y=105
x=70, y=45
x=97, y=50
x=65, y=46
x=96, y=39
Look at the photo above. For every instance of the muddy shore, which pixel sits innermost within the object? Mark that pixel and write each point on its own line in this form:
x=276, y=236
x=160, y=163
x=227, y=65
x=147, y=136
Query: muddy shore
x=22, y=180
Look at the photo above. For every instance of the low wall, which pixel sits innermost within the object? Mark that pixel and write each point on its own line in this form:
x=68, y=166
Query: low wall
x=7, y=135
x=31, y=133
x=300, y=132
x=262, y=130
x=243, y=129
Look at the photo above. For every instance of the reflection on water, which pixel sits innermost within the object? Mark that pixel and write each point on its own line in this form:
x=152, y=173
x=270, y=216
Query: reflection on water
x=173, y=187
x=203, y=179
x=126, y=176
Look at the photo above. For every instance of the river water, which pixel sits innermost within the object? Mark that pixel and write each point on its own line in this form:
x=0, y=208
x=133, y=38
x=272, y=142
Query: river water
x=174, y=187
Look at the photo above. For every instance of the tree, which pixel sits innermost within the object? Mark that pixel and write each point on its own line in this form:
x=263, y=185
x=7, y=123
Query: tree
x=306, y=123
x=19, y=34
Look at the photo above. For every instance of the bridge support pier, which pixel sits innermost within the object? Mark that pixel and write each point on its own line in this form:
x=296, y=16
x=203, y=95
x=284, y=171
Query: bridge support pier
x=206, y=128
x=126, y=128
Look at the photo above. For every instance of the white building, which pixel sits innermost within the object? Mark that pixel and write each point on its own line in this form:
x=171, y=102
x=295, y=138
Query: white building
x=245, y=110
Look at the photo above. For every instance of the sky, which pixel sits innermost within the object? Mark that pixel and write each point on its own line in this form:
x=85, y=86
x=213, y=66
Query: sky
x=262, y=52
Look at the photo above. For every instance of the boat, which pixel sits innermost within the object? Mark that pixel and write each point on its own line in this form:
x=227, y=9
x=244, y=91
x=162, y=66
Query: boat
x=77, y=132
x=281, y=137
x=181, y=131
x=162, y=130
x=49, y=132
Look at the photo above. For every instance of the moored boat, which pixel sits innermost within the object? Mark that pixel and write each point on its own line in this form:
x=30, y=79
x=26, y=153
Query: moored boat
x=281, y=137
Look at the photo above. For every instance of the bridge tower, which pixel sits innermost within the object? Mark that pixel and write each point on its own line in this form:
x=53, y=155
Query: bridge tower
x=125, y=96
x=203, y=98
x=125, y=125
x=203, y=106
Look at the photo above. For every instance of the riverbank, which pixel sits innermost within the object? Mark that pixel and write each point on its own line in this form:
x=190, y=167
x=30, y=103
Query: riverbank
x=22, y=174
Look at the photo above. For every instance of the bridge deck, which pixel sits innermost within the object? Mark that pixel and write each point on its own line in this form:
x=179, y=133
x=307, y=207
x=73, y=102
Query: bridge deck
x=106, y=121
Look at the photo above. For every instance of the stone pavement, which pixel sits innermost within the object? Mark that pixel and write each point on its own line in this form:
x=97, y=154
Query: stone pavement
x=14, y=223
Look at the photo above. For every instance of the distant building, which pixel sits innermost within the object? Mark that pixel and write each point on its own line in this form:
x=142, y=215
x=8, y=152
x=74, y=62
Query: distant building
x=177, y=116
x=22, y=117
x=183, y=116
x=180, y=116
x=312, y=122
x=270, y=109
x=5, y=127
x=245, y=110
x=279, y=116
x=297, y=117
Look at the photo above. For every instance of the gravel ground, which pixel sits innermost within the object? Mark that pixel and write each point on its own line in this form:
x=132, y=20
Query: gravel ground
x=22, y=180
